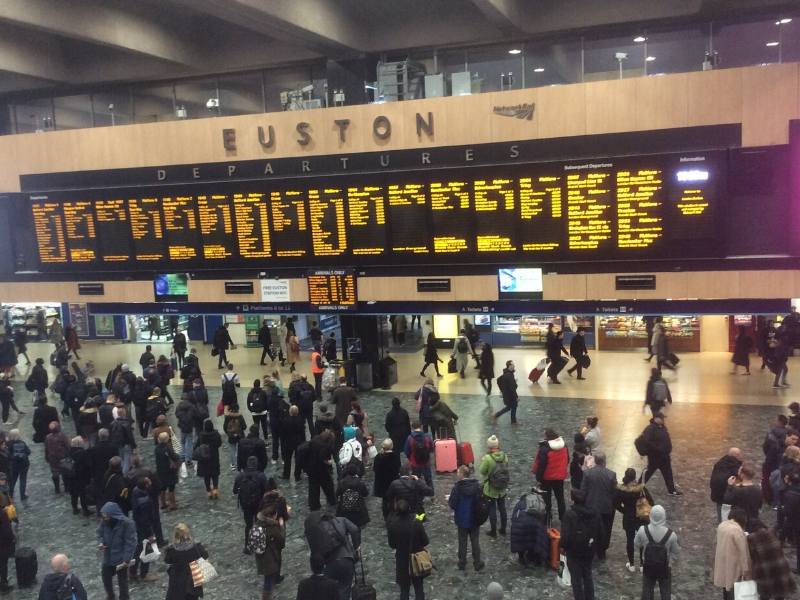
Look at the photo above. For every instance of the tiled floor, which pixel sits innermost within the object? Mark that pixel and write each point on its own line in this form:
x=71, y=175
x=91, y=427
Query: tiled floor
x=713, y=411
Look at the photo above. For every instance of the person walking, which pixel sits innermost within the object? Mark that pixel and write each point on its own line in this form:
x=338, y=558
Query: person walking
x=343, y=398
x=657, y=544
x=742, y=347
x=578, y=351
x=319, y=462
x=121, y=435
x=234, y=427
x=657, y=394
x=257, y=405
x=249, y=487
x=187, y=416
x=338, y=542
x=268, y=563
x=465, y=493
x=442, y=419
x=351, y=495
x=634, y=501
x=72, y=341
x=397, y=424
x=385, y=467
x=143, y=509
x=462, y=350
x=21, y=344
x=301, y=394
x=278, y=410
x=418, y=449
x=221, y=342
x=77, y=481
x=62, y=582
x=252, y=445
x=407, y=536
x=179, y=555
x=116, y=536
x=600, y=485
x=179, y=346
x=206, y=453
x=265, y=339
x=779, y=353
x=655, y=443
x=725, y=468
x=495, y=475
x=167, y=465
x=431, y=356
x=731, y=557
x=318, y=586
x=8, y=541
x=329, y=347
x=317, y=369
x=769, y=567
x=56, y=448
x=486, y=371
x=555, y=347
x=293, y=433
x=424, y=396
x=508, y=388
x=580, y=529
x=292, y=350
x=19, y=461
x=550, y=467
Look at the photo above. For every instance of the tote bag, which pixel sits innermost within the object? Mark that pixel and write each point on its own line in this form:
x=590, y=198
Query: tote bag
x=563, y=577
x=745, y=590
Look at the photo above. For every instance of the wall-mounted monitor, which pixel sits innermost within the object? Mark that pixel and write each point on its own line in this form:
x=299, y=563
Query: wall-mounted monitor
x=520, y=283
x=171, y=287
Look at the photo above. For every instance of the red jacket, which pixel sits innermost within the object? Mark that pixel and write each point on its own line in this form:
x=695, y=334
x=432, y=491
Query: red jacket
x=552, y=461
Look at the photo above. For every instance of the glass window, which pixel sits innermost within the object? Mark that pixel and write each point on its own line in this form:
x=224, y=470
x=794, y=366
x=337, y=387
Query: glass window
x=494, y=68
x=613, y=58
x=676, y=51
x=283, y=87
x=73, y=112
x=34, y=115
x=241, y=94
x=197, y=99
x=154, y=104
x=747, y=44
x=789, y=31
x=551, y=64
x=112, y=108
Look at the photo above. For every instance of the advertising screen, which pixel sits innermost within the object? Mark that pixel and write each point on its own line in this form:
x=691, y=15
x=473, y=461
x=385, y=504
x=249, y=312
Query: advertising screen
x=520, y=283
x=171, y=287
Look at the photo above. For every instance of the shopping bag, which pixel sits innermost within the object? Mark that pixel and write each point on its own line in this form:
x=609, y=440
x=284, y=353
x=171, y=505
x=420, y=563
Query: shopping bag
x=175, y=442
x=563, y=576
x=745, y=590
x=202, y=572
x=150, y=553
x=451, y=366
x=184, y=471
x=725, y=510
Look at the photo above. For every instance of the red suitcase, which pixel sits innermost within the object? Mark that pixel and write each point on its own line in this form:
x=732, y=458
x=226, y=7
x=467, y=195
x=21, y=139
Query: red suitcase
x=446, y=459
x=537, y=371
x=465, y=454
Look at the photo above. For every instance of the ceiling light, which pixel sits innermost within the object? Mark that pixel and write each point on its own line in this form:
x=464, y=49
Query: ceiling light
x=650, y=58
x=783, y=22
x=515, y=51
x=539, y=70
x=639, y=39
x=773, y=44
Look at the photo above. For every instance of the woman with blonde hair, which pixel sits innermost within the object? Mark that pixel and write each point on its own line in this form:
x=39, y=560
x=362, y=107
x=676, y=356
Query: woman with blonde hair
x=179, y=555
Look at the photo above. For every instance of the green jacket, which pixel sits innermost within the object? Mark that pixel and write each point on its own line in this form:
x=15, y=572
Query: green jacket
x=487, y=466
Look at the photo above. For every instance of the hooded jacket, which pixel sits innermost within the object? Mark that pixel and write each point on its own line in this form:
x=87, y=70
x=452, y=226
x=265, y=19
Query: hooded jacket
x=53, y=583
x=462, y=501
x=552, y=461
x=488, y=464
x=576, y=516
x=408, y=489
x=658, y=529
x=657, y=440
x=251, y=472
x=210, y=437
x=252, y=446
x=269, y=563
x=117, y=535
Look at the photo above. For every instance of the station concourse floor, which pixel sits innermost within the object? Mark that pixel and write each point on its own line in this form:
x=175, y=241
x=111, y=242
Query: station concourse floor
x=713, y=410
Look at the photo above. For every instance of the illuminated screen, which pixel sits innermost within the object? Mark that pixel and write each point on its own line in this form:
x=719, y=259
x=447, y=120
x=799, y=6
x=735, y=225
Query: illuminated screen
x=445, y=326
x=171, y=287
x=332, y=290
x=631, y=208
x=520, y=283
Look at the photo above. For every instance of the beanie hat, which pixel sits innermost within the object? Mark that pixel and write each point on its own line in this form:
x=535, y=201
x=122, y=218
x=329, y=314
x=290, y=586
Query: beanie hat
x=494, y=591
x=493, y=442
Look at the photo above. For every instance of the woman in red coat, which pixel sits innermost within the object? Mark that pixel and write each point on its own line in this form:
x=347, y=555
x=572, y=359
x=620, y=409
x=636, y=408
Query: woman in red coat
x=551, y=468
x=73, y=343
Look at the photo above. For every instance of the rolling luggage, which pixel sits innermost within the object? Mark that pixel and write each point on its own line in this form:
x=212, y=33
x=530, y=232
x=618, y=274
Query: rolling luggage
x=555, y=550
x=27, y=566
x=363, y=590
x=465, y=454
x=537, y=371
x=446, y=455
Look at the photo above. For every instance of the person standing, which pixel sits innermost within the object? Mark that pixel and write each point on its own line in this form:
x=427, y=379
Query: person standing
x=591, y=433
x=61, y=583
x=494, y=472
x=351, y=495
x=78, y=480
x=655, y=443
x=315, y=334
x=397, y=424
x=406, y=537
x=465, y=493
x=282, y=337
x=508, y=388
x=292, y=350
x=657, y=544
x=744, y=493
x=56, y=448
x=338, y=542
x=578, y=351
x=208, y=459
x=293, y=433
x=725, y=468
x=249, y=487
x=343, y=397
x=146, y=358
x=221, y=342
x=319, y=463
x=179, y=346
x=741, y=351
x=56, y=332
x=179, y=555
x=418, y=448
x=627, y=500
x=581, y=529
x=431, y=355
x=486, y=370
x=317, y=369
x=731, y=557
x=265, y=339
x=461, y=352
x=600, y=486
x=257, y=405
x=143, y=509
x=329, y=347
x=301, y=394
x=7, y=548
x=769, y=566
x=657, y=394
x=278, y=410
x=19, y=458
x=386, y=467
x=116, y=536
x=318, y=586
x=555, y=347
x=550, y=467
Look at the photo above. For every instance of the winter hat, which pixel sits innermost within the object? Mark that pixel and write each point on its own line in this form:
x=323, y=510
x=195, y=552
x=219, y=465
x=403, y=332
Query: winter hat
x=494, y=591
x=493, y=443
x=125, y=368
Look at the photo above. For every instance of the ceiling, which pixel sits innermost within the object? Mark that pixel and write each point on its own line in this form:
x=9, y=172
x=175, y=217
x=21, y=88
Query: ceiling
x=64, y=43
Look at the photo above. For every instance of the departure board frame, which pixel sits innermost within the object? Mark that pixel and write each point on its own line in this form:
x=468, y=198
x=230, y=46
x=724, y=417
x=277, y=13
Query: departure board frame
x=612, y=209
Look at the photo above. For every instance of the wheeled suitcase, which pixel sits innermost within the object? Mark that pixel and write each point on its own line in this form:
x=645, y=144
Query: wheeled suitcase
x=555, y=550
x=537, y=371
x=465, y=454
x=446, y=455
x=27, y=566
x=363, y=590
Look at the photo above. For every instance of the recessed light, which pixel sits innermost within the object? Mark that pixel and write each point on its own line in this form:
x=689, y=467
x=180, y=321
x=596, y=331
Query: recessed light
x=773, y=44
x=650, y=58
x=639, y=39
x=515, y=51
x=539, y=70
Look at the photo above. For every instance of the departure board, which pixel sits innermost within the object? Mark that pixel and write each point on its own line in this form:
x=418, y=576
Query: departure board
x=653, y=207
x=332, y=290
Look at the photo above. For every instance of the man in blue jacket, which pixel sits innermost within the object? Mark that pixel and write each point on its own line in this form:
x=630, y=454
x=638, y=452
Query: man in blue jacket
x=465, y=494
x=116, y=535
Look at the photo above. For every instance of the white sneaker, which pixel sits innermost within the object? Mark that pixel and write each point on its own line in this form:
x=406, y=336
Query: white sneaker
x=630, y=567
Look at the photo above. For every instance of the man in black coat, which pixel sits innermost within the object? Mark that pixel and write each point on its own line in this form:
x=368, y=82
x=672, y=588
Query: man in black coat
x=658, y=448
x=577, y=348
x=221, y=342
x=407, y=487
x=319, y=464
x=301, y=394
x=318, y=586
x=599, y=486
x=252, y=445
x=143, y=507
x=508, y=388
x=103, y=451
x=580, y=532
x=265, y=339
x=555, y=346
x=724, y=468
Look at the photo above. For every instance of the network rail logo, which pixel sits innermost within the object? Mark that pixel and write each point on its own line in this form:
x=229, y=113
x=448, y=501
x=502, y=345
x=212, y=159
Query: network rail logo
x=518, y=111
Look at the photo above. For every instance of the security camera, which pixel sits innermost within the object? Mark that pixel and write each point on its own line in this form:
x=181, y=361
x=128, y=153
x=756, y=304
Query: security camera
x=212, y=103
x=621, y=55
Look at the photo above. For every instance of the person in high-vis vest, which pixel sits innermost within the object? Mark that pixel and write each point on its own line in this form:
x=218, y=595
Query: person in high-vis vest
x=317, y=368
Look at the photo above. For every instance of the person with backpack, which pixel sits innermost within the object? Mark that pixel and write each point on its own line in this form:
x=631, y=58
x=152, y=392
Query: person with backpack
x=121, y=435
x=495, y=474
x=657, y=394
x=469, y=509
x=278, y=409
x=257, y=405
x=406, y=537
x=301, y=394
x=397, y=424
x=318, y=586
x=338, y=542
x=78, y=477
x=407, y=487
x=146, y=358
x=507, y=384
x=206, y=453
x=581, y=528
x=658, y=545
x=293, y=433
x=600, y=485
x=229, y=381
x=462, y=350
x=773, y=448
x=62, y=583
x=351, y=494
x=655, y=443
x=550, y=467
x=187, y=416
x=198, y=396
x=634, y=501
x=153, y=408
x=252, y=445
x=249, y=486
x=418, y=449
x=19, y=458
x=269, y=539
x=221, y=342
x=317, y=463
x=234, y=427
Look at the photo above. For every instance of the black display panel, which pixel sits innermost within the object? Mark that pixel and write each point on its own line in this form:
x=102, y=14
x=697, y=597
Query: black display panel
x=645, y=207
x=332, y=290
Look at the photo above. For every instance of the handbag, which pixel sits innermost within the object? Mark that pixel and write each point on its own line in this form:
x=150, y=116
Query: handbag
x=175, y=442
x=745, y=590
x=220, y=408
x=643, y=507
x=184, y=471
x=451, y=365
x=203, y=572
x=420, y=563
x=150, y=552
x=563, y=577
x=215, y=351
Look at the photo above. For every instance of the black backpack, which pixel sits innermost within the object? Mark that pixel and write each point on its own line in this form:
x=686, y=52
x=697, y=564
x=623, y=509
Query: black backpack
x=581, y=539
x=258, y=403
x=117, y=435
x=228, y=389
x=462, y=347
x=422, y=451
x=323, y=536
x=302, y=456
x=499, y=478
x=249, y=492
x=480, y=509
x=656, y=556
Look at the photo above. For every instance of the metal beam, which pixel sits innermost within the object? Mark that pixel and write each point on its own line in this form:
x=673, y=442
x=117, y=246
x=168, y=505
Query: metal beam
x=100, y=23
x=500, y=13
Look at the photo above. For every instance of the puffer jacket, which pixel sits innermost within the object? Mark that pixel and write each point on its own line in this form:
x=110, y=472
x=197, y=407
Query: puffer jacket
x=552, y=461
x=462, y=501
x=528, y=532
